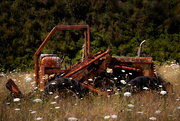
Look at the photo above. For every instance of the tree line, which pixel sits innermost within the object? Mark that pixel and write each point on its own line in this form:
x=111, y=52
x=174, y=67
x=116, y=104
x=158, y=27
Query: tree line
x=116, y=24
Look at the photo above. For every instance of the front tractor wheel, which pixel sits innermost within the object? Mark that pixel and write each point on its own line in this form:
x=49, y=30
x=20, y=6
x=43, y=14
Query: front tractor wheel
x=64, y=89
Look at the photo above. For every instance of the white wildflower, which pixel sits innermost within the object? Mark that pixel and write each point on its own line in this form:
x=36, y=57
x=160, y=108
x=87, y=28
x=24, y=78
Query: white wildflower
x=160, y=86
x=114, y=116
x=57, y=107
x=35, y=88
x=178, y=107
x=163, y=92
x=109, y=71
x=33, y=112
x=140, y=112
x=72, y=119
x=106, y=117
x=152, y=118
x=145, y=88
x=53, y=83
x=158, y=111
x=130, y=73
x=123, y=81
x=2, y=75
x=130, y=105
x=8, y=103
x=50, y=93
x=108, y=90
x=28, y=78
x=39, y=118
x=16, y=99
x=122, y=70
x=115, y=78
x=33, y=83
x=129, y=110
x=127, y=94
x=17, y=109
x=37, y=100
x=53, y=103
x=90, y=80
x=56, y=97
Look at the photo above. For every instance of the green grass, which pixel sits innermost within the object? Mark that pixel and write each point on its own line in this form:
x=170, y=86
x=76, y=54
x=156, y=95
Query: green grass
x=93, y=107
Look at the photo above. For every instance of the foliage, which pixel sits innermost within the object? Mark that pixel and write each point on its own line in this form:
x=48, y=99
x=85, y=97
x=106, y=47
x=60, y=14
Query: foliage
x=139, y=107
x=118, y=25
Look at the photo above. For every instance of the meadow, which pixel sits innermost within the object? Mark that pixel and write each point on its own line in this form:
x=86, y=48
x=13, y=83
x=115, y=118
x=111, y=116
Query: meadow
x=138, y=107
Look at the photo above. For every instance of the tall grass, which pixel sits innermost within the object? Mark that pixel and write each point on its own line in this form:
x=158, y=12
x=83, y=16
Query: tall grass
x=144, y=106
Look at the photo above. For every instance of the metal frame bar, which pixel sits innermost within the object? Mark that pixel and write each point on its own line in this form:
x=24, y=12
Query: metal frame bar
x=84, y=28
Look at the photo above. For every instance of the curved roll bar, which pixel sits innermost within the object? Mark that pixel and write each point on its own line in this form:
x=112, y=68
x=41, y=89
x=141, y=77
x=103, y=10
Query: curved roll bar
x=84, y=28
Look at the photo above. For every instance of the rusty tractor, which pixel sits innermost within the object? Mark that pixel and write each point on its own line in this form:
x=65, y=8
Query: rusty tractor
x=99, y=73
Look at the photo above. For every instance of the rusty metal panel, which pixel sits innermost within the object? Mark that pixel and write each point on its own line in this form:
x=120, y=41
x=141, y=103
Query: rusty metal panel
x=51, y=62
x=13, y=88
x=104, y=64
x=134, y=59
x=146, y=69
x=42, y=78
x=127, y=68
x=142, y=65
x=85, y=65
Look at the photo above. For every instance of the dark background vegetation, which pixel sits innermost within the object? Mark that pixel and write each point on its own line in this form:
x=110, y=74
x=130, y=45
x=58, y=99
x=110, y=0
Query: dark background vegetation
x=116, y=24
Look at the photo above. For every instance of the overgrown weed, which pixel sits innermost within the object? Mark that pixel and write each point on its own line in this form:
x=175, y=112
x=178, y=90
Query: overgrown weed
x=142, y=106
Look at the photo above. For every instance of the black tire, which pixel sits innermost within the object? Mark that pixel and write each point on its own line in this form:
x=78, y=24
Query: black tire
x=62, y=83
x=137, y=84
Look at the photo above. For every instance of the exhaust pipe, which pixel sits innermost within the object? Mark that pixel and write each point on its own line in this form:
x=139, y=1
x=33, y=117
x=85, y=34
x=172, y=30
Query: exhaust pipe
x=140, y=48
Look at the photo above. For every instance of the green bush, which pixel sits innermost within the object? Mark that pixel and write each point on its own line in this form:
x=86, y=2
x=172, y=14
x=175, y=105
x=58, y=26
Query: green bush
x=117, y=25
